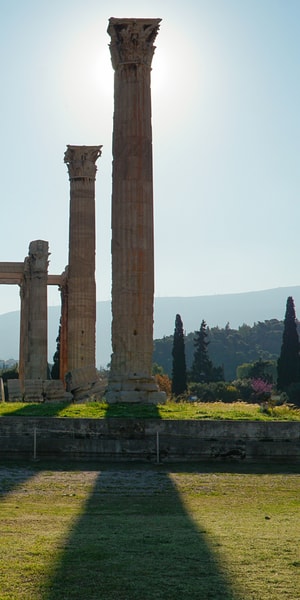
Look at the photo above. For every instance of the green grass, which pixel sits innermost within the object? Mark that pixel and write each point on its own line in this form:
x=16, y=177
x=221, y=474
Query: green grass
x=170, y=410
x=126, y=532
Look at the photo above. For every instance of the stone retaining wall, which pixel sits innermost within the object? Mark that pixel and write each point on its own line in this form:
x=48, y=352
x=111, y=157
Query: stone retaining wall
x=147, y=439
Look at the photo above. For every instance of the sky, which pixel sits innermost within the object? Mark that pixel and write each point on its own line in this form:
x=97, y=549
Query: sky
x=226, y=137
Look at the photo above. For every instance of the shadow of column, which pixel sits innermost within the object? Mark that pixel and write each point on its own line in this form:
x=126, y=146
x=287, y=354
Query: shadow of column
x=13, y=475
x=136, y=540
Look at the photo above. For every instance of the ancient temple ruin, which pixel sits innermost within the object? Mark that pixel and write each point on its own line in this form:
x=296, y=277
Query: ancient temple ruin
x=32, y=277
x=78, y=292
x=132, y=48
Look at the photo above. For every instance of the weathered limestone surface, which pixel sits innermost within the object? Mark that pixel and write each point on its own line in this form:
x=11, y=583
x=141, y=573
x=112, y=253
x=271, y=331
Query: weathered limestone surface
x=150, y=439
x=79, y=288
x=33, y=390
x=132, y=213
x=14, y=390
x=85, y=384
x=34, y=319
x=11, y=272
x=54, y=391
x=32, y=277
x=2, y=394
x=36, y=390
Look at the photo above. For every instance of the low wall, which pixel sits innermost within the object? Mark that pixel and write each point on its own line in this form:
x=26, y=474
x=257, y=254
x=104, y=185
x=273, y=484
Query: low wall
x=147, y=439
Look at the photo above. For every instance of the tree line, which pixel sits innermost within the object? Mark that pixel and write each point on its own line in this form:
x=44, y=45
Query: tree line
x=228, y=348
x=215, y=354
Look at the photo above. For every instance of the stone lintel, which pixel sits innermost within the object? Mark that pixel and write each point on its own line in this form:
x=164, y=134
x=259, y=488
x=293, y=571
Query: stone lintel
x=11, y=267
x=132, y=41
x=55, y=280
x=16, y=279
x=11, y=273
x=10, y=279
x=81, y=160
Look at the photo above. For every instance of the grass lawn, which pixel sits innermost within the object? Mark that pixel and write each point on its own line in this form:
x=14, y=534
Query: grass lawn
x=170, y=410
x=132, y=532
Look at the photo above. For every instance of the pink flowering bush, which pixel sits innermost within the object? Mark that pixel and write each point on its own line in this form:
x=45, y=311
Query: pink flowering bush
x=262, y=390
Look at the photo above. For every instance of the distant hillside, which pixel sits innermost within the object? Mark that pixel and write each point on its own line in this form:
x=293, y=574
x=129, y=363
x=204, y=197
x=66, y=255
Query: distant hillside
x=249, y=308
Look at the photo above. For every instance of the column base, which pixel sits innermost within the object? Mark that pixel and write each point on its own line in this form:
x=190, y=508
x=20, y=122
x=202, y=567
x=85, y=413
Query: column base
x=134, y=390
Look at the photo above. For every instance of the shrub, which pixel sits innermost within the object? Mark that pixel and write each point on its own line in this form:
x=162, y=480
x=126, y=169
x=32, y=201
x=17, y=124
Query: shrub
x=244, y=389
x=260, y=369
x=261, y=390
x=214, y=392
x=226, y=392
x=203, y=391
x=164, y=383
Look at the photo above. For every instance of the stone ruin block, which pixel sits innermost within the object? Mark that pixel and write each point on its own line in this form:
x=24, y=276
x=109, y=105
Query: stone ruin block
x=135, y=397
x=54, y=391
x=47, y=390
x=85, y=384
x=14, y=390
x=85, y=376
x=33, y=390
x=2, y=390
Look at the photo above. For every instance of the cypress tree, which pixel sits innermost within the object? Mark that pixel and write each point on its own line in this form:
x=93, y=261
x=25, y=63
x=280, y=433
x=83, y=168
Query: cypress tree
x=56, y=358
x=179, y=375
x=288, y=364
x=202, y=365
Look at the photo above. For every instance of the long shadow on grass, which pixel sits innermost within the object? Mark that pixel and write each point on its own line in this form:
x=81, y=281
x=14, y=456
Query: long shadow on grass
x=241, y=467
x=53, y=409
x=137, y=411
x=38, y=410
x=134, y=541
x=13, y=476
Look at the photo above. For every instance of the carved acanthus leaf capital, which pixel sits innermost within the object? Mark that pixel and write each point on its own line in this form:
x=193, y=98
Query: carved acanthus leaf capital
x=63, y=287
x=132, y=40
x=37, y=259
x=81, y=161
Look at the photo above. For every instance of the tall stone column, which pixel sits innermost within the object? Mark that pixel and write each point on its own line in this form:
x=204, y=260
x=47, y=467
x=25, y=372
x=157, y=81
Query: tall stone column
x=81, y=287
x=132, y=50
x=34, y=321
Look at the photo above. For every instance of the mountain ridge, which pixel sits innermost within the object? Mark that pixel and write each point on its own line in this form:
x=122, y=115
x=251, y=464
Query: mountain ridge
x=217, y=310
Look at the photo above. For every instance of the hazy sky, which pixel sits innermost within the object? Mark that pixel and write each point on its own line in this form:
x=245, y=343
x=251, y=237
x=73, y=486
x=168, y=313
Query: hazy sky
x=226, y=137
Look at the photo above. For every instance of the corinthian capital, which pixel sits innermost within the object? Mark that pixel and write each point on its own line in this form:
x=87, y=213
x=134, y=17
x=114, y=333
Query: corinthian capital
x=81, y=161
x=132, y=40
x=37, y=259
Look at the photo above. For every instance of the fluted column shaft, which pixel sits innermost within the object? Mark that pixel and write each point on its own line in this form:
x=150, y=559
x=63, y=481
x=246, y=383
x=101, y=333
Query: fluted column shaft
x=81, y=287
x=24, y=317
x=132, y=204
x=34, y=321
